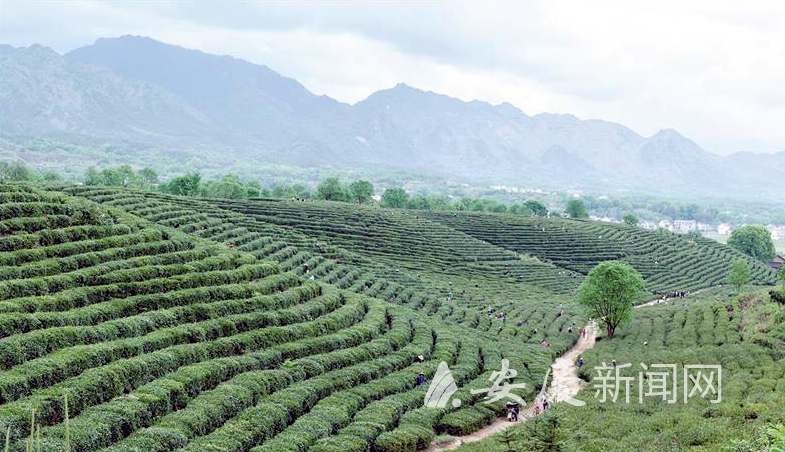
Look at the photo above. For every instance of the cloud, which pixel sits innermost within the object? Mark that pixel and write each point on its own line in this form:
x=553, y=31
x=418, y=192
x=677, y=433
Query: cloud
x=711, y=69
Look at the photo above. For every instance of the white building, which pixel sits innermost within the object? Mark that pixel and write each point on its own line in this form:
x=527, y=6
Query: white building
x=723, y=229
x=776, y=231
x=666, y=224
x=646, y=224
x=685, y=225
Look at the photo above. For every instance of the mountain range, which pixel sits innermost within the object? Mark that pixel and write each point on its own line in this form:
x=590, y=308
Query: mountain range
x=135, y=99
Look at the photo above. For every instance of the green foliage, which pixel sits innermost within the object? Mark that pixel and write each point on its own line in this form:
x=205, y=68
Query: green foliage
x=739, y=274
x=433, y=203
x=544, y=433
x=484, y=205
x=186, y=185
x=576, y=208
x=395, y=197
x=229, y=187
x=537, y=208
x=609, y=291
x=331, y=189
x=630, y=220
x=361, y=190
x=15, y=171
x=520, y=209
x=147, y=178
x=781, y=275
x=122, y=176
x=295, y=191
x=753, y=240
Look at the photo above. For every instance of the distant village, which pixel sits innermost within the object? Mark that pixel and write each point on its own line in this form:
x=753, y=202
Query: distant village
x=686, y=226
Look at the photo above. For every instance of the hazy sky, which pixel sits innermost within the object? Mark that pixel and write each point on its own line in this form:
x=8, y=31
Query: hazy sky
x=714, y=70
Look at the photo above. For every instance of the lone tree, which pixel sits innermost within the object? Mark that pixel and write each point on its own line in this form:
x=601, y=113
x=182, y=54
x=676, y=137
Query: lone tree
x=739, y=274
x=630, y=220
x=609, y=292
x=576, y=208
x=361, y=190
x=754, y=240
x=395, y=197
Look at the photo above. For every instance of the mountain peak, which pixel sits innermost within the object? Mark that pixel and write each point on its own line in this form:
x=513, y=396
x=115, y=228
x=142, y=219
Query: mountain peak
x=667, y=134
x=33, y=49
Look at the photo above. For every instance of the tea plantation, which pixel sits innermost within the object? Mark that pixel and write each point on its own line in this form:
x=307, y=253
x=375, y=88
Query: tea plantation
x=744, y=334
x=185, y=324
x=668, y=261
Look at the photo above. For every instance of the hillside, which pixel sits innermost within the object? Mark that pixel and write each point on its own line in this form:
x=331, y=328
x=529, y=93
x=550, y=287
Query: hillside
x=148, y=101
x=187, y=324
x=743, y=334
x=668, y=261
x=215, y=337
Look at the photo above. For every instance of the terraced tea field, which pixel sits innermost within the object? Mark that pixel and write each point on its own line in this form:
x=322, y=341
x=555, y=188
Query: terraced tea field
x=745, y=335
x=175, y=323
x=668, y=261
x=170, y=326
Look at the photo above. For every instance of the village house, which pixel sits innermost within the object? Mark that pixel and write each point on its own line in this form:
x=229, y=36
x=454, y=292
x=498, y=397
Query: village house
x=776, y=232
x=685, y=225
x=779, y=261
x=666, y=224
x=646, y=224
x=723, y=229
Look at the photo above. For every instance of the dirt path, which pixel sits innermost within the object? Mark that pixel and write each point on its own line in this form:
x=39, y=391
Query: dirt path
x=565, y=385
x=657, y=301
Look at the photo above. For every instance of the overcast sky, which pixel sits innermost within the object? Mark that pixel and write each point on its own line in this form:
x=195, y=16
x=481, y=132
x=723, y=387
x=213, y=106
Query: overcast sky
x=714, y=70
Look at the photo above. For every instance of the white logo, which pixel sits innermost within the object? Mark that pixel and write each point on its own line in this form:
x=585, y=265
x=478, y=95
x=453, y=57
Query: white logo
x=441, y=388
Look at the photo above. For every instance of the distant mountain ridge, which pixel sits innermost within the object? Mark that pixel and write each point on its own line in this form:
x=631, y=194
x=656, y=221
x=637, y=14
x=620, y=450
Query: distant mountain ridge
x=135, y=94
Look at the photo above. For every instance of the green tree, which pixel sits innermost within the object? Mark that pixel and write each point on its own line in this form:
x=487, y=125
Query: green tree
x=111, y=178
x=739, y=274
x=544, y=433
x=537, y=208
x=781, y=275
x=127, y=176
x=228, y=187
x=630, y=220
x=395, y=197
x=331, y=189
x=754, y=240
x=187, y=185
x=507, y=438
x=147, y=177
x=609, y=291
x=689, y=211
x=253, y=189
x=93, y=177
x=361, y=190
x=576, y=208
x=51, y=176
x=15, y=171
